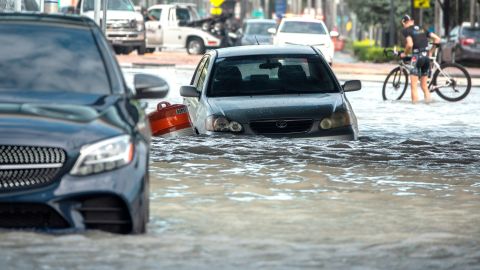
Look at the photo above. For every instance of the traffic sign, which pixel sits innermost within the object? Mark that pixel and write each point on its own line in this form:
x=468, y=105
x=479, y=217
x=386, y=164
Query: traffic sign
x=216, y=11
x=420, y=3
x=217, y=3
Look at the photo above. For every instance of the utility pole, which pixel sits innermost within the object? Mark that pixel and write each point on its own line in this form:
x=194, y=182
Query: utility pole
x=391, y=41
x=18, y=5
x=473, y=7
x=50, y=6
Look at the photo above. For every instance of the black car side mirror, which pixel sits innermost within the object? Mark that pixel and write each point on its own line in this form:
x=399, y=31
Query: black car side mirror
x=189, y=91
x=353, y=85
x=150, y=86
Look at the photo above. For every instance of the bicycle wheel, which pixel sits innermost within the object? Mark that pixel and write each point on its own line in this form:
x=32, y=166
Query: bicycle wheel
x=395, y=84
x=453, y=83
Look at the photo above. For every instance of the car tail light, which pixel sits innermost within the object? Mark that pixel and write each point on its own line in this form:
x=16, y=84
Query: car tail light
x=467, y=41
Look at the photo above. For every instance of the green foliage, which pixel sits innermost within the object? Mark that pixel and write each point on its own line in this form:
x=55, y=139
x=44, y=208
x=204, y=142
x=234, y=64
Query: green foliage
x=371, y=12
x=366, y=50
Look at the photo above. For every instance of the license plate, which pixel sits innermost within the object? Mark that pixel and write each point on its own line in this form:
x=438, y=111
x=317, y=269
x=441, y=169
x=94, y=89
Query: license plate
x=115, y=41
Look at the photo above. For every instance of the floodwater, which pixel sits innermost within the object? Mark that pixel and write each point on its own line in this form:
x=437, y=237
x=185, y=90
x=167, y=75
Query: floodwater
x=406, y=195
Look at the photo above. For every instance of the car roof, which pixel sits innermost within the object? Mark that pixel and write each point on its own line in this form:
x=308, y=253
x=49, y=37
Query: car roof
x=63, y=19
x=173, y=5
x=265, y=50
x=301, y=19
x=260, y=21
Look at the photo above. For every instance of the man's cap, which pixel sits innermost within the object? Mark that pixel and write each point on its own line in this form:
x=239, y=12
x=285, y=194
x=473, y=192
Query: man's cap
x=406, y=18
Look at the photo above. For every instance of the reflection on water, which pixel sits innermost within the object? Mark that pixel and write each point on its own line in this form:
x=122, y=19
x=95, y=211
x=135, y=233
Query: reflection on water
x=404, y=196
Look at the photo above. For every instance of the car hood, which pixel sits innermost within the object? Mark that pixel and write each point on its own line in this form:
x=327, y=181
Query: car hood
x=247, y=108
x=64, y=124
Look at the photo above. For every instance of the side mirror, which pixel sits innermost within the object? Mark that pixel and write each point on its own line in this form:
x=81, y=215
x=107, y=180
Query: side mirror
x=353, y=85
x=150, y=86
x=334, y=34
x=189, y=91
x=272, y=30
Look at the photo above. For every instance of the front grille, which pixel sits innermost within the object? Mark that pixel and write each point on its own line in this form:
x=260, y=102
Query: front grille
x=281, y=126
x=30, y=216
x=23, y=167
x=106, y=213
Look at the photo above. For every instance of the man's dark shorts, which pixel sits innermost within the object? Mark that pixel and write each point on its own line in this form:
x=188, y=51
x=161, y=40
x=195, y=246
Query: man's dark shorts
x=420, y=64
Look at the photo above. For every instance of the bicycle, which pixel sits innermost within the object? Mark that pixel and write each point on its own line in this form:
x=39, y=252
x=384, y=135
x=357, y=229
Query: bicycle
x=451, y=81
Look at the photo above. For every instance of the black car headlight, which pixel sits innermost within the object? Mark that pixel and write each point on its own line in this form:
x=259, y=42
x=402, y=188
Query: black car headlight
x=104, y=156
x=336, y=120
x=222, y=124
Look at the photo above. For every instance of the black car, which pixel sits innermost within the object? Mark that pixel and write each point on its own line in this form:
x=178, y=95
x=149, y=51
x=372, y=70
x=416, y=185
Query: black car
x=74, y=140
x=463, y=44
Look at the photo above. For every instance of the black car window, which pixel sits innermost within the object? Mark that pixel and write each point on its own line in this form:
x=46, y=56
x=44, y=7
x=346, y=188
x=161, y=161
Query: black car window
x=43, y=57
x=303, y=28
x=471, y=32
x=271, y=75
x=202, y=76
x=155, y=14
x=258, y=28
x=182, y=14
x=197, y=73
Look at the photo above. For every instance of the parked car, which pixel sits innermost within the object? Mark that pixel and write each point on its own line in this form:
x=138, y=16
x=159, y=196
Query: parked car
x=167, y=28
x=462, y=44
x=305, y=31
x=74, y=141
x=125, y=26
x=269, y=90
x=255, y=31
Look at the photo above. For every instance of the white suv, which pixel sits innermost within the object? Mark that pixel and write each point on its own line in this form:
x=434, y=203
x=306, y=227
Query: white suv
x=305, y=31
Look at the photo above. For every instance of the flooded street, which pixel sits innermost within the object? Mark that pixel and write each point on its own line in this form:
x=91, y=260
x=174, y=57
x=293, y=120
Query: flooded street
x=406, y=195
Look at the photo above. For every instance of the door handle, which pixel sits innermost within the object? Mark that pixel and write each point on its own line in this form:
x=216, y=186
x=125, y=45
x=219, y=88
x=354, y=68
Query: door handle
x=159, y=27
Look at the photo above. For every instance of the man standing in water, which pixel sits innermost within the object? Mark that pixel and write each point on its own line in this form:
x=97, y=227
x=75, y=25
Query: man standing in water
x=417, y=43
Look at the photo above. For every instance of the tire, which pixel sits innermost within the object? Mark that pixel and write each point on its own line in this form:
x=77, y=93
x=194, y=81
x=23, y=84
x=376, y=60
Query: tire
x=462, y=82
x=118, y=50
x=141, y=49
x=195, y=46
x=395, y=84
x=143, y=216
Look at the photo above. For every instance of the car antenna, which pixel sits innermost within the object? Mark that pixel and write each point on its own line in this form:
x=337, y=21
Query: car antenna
x=258, y=43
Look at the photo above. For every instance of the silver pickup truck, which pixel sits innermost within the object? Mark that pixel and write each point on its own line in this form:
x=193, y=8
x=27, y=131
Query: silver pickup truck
x=125, y=27
x=166, y=28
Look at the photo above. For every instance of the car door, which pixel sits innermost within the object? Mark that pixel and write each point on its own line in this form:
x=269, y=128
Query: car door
x=447, y=50
x=172, y=30
x=154, y=27
x=193, y=104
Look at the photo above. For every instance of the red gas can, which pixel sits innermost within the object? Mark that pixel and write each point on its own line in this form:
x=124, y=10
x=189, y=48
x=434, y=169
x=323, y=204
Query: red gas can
x=170, y=120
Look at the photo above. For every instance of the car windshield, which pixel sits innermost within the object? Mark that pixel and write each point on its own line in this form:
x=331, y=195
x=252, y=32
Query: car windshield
x=303, y=28
x=41, y=57
x=471, y=32
x=124, y=5
x=271, y=75
x=258, y=28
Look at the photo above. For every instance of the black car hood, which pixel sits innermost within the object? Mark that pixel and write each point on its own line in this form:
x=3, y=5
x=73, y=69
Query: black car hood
x=59, y=120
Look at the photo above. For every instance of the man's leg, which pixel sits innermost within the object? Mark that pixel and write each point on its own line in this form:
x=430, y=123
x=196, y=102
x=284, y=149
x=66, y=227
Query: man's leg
x=426, y=92
x=414, y=82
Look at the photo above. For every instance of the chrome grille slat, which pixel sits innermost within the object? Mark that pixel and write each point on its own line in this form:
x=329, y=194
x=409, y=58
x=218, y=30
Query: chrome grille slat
x=290, y=126
x=24, y=167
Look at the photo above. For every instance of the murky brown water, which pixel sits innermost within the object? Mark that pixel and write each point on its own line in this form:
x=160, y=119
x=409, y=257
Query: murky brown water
x=404, y=196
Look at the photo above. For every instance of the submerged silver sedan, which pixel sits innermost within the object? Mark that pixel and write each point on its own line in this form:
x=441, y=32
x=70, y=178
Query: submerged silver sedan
x=274, y=91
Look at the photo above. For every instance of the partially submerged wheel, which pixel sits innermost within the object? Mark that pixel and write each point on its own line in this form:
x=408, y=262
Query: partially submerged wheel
x=195, y=46
x=453, y=83
x=395, y=84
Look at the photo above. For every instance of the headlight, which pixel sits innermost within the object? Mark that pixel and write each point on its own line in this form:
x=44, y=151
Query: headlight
x=103, y=156
x=222, y=124
x=140, y=26
x=336, y=120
